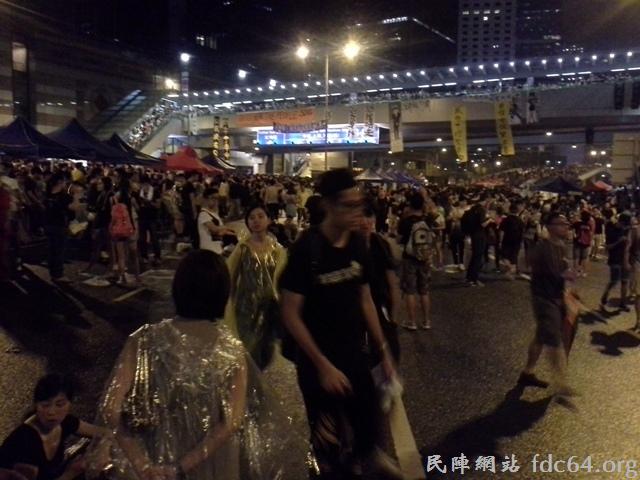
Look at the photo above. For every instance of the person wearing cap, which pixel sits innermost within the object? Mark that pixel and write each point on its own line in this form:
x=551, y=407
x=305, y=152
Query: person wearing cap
x=549, y=273
x=327, y=307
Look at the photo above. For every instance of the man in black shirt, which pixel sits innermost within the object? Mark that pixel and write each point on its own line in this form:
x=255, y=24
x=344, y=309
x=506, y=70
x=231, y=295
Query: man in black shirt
x=550, y=269
x=149, y=201
x=617, y=244
x=511, y=232
x=59, y=205
x=326, y=307
x=415, y=273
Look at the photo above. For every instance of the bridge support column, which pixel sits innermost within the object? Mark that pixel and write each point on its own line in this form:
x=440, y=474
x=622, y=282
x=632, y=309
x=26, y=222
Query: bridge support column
x=625, y=158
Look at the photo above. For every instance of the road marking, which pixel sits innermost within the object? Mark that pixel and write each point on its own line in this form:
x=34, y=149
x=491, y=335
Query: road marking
x=128, y=295
x=405, y=443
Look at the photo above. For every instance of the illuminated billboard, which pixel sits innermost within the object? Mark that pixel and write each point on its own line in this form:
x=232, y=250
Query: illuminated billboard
x=336, y=136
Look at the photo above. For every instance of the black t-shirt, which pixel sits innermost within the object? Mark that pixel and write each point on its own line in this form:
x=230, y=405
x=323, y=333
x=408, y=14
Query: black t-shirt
x=613, y=234
x=185, y=203
x=148, y=208
x=57, y=214
x=513, y=228
x=330, y=279
x=599, y=226
x=24, y=445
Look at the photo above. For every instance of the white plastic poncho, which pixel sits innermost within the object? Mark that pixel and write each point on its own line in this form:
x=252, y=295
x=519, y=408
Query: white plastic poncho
x=194, y=398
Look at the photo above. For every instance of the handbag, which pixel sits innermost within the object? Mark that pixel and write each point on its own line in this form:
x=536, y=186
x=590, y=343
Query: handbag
x=140, y=409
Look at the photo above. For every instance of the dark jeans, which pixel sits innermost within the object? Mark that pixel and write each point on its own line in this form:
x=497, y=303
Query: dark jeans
x=331, y=418
x=150, y=226
x=57, y=237
x=456, y=242
x=273, y=209
x=478, y=245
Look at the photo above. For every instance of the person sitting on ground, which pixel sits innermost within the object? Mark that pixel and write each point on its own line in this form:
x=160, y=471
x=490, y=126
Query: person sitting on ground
x=36, y=448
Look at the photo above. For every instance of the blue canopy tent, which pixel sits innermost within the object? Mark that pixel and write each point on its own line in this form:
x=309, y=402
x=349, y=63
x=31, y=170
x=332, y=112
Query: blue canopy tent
x=557, y=185
x=21, y=139
x=136, y=157
x=76, y=137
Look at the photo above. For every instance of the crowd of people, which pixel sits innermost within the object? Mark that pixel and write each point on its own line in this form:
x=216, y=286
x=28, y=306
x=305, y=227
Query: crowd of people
x=150, y=123
x=322, y=272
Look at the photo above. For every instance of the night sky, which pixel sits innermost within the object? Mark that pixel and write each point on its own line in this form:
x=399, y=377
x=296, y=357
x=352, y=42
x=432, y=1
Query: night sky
x=261, y=34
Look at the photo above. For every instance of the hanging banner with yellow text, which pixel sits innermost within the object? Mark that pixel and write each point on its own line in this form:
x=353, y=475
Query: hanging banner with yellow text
x=459, y=132
x=503, y=127
x=395, y=127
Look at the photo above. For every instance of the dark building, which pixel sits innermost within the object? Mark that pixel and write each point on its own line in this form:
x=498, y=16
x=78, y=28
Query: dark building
x=539, y=28
x=486, y=31
x=403, y=42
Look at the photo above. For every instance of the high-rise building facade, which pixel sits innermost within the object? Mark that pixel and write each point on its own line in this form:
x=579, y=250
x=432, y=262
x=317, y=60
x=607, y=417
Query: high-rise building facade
x=486, y=31
x=539, y=28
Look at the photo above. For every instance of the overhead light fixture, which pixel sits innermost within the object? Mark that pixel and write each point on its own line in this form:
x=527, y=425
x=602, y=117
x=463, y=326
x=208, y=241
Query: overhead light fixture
x=242, y=74
x=302, y=52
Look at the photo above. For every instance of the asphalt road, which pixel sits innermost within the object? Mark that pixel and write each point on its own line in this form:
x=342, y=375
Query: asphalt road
x=459, y=377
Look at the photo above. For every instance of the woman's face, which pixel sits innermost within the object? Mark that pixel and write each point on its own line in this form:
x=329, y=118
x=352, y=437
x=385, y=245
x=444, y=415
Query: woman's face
x=258, y=221
x=53, y=411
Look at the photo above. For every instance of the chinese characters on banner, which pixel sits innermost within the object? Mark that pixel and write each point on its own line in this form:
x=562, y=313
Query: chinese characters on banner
x=395, y=127
x=216, y=137
x=226, y=143
x=503, y=127
x=368, y=121
x=459, y=132
x=283, y=117
x=310, y=127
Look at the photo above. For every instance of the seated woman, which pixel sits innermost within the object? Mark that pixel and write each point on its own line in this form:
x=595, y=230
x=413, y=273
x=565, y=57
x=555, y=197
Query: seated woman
x=36, y=448
x=185, y=400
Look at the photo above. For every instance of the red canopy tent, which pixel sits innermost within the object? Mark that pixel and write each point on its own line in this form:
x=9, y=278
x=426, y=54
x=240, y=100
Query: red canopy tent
x=186, y=160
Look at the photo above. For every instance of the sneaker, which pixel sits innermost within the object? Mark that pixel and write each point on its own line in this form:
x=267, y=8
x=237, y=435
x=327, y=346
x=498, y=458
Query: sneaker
x=461, y=267
x=426, y=326
x=410, y=326
x=97, y=282
x=384, y=466
x=476, y=284
x=530, y=380
x=61, y=280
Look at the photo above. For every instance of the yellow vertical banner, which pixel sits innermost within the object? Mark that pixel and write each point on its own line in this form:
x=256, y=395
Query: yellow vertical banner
x=503, y=128
x=459, y=132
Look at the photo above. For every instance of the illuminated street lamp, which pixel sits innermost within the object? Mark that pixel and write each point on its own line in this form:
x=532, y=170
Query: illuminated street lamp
x=184, y=87
x=303, y=52
x=350, y=51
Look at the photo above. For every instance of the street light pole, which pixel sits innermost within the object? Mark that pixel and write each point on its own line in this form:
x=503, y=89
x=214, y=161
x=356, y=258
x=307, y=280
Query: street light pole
x=326, y=111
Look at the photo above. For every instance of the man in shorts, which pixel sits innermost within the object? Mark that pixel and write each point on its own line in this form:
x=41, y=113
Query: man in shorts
x=549, y=271
x=617, y=238
x=415, y=275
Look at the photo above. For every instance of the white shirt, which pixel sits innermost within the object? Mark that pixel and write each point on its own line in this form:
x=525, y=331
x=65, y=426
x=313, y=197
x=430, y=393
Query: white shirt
x=206, y=241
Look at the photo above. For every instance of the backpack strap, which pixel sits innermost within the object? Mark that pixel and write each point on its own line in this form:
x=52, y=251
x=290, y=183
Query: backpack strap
x=315, y=250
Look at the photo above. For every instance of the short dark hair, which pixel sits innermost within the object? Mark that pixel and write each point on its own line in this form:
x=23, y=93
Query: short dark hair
x=52, y=385
x=210, y=192
x=253, y=207
x=201, y=286
x=331, y=183
x=416, y=201
x=554, y=216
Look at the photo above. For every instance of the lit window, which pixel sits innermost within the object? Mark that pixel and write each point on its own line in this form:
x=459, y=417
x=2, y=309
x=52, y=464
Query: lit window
x=19, y=54
x=200, y=40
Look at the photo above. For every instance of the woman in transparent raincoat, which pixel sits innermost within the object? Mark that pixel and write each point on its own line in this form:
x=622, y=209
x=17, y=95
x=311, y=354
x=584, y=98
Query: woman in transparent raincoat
x=185, y=400
x=254, y=266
